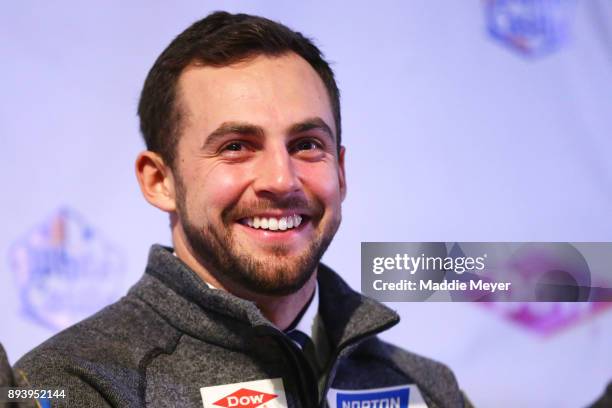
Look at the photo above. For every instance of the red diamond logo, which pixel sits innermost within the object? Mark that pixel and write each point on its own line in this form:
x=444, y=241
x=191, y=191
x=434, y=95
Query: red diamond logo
x=245, y=398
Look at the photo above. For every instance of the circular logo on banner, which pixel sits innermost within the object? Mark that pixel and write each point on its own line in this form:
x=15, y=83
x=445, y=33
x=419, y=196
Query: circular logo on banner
x=65, y=270
x=531, y=27
x=561, y=279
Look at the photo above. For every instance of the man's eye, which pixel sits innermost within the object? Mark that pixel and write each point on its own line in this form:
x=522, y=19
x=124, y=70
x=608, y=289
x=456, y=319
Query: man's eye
x=307, y=145
x=234, y=147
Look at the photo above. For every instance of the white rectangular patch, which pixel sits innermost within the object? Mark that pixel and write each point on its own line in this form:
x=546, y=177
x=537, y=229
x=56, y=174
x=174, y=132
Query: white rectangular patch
x=268, y=393
x=402, y=396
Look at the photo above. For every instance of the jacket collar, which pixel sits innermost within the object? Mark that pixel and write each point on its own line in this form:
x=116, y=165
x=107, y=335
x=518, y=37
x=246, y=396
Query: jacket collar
x=180, y=296
x=347, y=314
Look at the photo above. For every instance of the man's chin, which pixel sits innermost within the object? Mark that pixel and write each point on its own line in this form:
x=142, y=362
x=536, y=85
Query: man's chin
x=276, y=256
x=275, y=279
x=263, y=244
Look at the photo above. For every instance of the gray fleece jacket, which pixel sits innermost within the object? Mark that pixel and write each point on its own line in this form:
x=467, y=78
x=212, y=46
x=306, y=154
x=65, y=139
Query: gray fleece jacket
x=6, y=375
x=172, y=337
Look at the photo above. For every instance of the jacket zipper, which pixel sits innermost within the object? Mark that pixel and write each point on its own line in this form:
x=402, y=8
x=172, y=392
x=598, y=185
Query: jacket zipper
x=305, y=385
x=346, y=349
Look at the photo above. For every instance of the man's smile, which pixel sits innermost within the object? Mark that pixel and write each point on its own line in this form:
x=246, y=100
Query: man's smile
x=273, y=223
x=284, y=228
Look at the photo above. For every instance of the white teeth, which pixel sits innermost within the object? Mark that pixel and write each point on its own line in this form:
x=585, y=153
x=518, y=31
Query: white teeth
x=282, y=224
x=272, y=224
x=275, y=224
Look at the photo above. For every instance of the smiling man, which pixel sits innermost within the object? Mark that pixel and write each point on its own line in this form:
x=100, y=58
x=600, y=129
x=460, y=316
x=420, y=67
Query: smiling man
x=255, y=187
x=241, y=118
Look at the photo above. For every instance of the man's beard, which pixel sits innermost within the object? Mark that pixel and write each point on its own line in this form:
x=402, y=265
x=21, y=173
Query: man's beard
x=278, y=275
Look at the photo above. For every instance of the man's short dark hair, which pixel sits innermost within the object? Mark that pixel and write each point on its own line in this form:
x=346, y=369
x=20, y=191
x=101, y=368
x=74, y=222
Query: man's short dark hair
x=220, y=39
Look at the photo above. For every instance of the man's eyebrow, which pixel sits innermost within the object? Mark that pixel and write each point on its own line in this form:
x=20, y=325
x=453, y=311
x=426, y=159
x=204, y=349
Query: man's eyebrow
x=245, y=128
x=239, y=128
x=310, y=124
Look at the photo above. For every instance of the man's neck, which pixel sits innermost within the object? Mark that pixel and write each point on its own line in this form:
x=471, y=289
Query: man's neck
x=281, y=311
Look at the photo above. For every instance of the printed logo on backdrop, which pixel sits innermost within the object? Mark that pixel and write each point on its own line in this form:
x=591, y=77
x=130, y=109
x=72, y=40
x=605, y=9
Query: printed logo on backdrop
x=539, y=263
x=531, y=27
x=65, y=270
x=543, y=287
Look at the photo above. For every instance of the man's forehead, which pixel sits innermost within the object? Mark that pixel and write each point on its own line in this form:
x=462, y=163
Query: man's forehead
x=264, y=90
x=285, y=62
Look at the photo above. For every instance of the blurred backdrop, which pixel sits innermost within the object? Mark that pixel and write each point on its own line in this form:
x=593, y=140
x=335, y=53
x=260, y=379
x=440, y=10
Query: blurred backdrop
x=463, y=121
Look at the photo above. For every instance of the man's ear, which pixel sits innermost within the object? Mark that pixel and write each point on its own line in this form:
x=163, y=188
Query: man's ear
x=341, y=172
x=156, y=181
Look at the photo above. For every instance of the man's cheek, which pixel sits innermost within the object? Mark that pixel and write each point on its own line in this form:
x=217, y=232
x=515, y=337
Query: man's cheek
x=226, y=182
x=327, y=183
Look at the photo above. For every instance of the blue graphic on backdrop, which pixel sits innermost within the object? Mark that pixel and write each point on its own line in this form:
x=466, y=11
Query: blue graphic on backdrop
x=531, y=27
x=65, y=270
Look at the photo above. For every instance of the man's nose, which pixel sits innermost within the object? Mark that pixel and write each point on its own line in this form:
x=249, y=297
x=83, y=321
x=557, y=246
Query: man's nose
x=276, y=174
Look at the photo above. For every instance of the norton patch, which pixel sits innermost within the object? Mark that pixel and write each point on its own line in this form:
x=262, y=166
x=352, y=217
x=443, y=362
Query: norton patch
x=268, y=393
x=403, y=396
